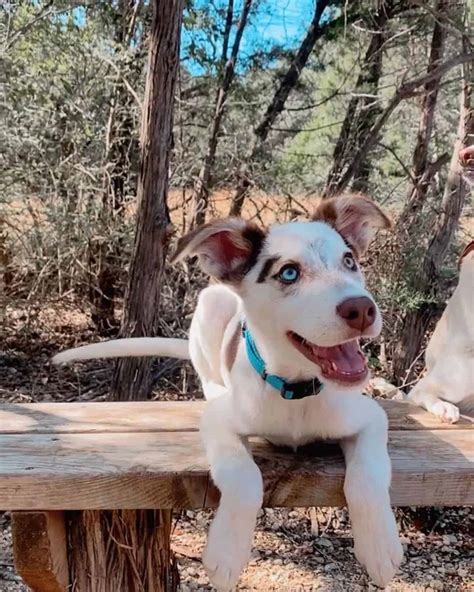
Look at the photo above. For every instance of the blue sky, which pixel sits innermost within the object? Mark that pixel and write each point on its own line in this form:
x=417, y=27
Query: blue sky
x=287, y=22
x=277, y=21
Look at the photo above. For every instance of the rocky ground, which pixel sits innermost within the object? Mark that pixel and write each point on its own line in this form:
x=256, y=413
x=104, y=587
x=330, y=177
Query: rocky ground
x=294, y=550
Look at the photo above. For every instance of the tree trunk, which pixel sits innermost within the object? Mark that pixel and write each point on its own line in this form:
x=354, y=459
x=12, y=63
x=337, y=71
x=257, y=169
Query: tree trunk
x=203, y=183
x=121, y=551
x=278, y=101
x=416, y=322
x=227, y=29
x=363, y=108
x=132, y=378
x=421, y=166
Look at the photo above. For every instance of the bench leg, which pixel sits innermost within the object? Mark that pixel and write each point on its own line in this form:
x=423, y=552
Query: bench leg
x=40, y=550
x=121, y=550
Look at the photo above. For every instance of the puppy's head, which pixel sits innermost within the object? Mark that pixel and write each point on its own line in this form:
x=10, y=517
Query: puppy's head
x=301, y=284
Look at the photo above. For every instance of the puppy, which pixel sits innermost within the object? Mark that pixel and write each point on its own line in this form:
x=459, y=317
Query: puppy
x=449, y=358
x=276, y=347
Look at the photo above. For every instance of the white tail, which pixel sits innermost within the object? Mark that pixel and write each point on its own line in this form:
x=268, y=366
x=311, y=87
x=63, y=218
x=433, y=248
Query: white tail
x=122, y=348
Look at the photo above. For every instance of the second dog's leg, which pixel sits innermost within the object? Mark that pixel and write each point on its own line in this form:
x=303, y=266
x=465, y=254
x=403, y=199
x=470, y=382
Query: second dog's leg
x=240, y=483
x=366, y=487
x=425, y=394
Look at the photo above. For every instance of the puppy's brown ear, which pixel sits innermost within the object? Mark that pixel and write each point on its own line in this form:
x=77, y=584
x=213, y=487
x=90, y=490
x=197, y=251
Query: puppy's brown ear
x=356, y=217
x=226, y=248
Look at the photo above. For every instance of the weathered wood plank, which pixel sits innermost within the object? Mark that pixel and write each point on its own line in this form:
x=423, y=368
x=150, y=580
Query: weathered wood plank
x=162, y=416
x=169, y=470
x=40, y=550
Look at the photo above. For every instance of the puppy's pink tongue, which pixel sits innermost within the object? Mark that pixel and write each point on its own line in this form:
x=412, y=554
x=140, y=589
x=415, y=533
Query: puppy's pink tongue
x=345, y=358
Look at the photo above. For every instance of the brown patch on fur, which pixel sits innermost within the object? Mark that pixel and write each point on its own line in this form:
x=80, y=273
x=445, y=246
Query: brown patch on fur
x=232, y=347
x=325, y=212
x=185, y=240
x=467, y=249
x=352, y=215
x=245, y=237
x=254, y=235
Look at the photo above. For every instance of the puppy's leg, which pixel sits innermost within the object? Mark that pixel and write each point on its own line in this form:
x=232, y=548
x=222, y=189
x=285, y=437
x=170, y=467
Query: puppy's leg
x=425, y=394
x=216, y=307
x=366, y=487
x=240, y=483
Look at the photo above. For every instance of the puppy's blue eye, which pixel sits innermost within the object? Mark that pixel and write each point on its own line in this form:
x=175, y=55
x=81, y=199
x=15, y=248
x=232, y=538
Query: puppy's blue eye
x=288, y=274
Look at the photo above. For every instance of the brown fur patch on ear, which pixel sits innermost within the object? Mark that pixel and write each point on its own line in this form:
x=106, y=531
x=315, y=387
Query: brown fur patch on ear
x=227, y=248
x=355, y=217
x=325, y=211
x=254, y=235
x=469, y=248
x=186, y=240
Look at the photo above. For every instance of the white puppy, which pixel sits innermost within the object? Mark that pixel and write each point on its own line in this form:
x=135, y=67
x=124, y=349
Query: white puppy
x=449, y=358
x=277, y=350
x=449, y=379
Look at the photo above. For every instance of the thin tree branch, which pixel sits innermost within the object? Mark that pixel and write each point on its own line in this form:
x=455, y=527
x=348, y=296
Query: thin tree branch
x=406, y=170
x=124, y=80
x=133, y=20
x=323, y=101
x=296, y=130
x=227, y=29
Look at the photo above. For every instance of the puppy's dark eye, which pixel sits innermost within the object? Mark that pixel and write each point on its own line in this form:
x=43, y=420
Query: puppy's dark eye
x=289, y=274
x=349, y=261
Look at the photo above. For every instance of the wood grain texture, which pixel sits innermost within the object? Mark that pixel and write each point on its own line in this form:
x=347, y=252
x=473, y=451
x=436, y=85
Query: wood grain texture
x=40, y=550
x=169, y=470
x=163, y=417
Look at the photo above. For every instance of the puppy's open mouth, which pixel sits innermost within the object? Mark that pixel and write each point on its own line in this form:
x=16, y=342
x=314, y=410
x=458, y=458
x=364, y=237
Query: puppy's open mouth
x=344, y=363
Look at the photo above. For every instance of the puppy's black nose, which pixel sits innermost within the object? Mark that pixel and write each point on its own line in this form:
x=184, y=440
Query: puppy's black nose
x=358, y=313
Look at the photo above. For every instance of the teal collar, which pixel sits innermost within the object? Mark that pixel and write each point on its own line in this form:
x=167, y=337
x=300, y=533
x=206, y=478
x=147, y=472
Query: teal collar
x=288, y=390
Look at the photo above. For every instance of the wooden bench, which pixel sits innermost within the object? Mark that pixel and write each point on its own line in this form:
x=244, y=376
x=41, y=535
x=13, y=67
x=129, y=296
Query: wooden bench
x=65, y=469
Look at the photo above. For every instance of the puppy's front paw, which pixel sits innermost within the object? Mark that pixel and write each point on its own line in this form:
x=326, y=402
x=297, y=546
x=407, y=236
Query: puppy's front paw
x=377, y=546
x=447, y=412
x=228, y=548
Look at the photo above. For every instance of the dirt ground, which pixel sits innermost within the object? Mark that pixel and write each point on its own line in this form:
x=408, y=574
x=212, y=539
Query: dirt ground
x=294, y=550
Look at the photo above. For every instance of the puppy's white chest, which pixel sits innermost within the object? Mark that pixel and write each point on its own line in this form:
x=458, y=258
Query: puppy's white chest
x=286, y=423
